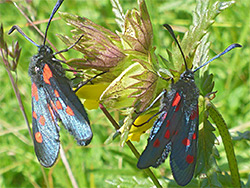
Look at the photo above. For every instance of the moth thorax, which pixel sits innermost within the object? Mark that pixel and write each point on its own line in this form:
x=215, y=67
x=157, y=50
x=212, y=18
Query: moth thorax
x=189, y=92
x=36, y=69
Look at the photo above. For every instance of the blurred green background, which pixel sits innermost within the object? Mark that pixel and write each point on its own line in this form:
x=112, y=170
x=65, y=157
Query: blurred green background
x=99, y=165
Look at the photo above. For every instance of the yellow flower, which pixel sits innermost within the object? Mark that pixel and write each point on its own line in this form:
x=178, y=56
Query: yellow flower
x=136, y=131
x=91, y=94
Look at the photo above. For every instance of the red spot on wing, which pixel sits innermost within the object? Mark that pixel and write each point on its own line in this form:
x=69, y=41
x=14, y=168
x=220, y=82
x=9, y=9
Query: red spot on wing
x=194, y=136
x=58, y=105
x=47, y=74
x=176, y=100
x=167, y=134
x=156, y=143
x=168, y=122
x=53, y=105
x=42, y=120
x=34, y=92
x=34, y=115
x=165, y=115
x=38, y=137
x=194, y=114
x=51, y=112
x=69, y=111
x=56, y=93
x=186, y=141
x=190, y=159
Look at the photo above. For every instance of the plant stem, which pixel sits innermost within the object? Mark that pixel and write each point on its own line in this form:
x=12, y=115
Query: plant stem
x=67, y=166
x=14, y=86
x=131, y=146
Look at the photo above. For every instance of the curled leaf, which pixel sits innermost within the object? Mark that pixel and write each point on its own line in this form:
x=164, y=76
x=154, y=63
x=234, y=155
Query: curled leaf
x=116, y=94
x=101, y=47
x=138, y=32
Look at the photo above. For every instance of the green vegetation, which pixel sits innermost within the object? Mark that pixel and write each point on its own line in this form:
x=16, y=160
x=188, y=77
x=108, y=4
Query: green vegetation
x=107, y=165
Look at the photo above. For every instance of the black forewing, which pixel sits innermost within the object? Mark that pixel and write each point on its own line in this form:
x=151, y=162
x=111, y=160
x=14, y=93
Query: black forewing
x=169, y=123
x=76, y=123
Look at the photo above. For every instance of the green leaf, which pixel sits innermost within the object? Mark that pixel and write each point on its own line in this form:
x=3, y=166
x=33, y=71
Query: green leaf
x=195, y=42
x=205, y=83
x=242, y=136
x=205, y=151
x=248, y=181
x=120, y=17
x=104, y=50
x=225, y=180
x=138, y=32
x=227, y=141
x=116, y=94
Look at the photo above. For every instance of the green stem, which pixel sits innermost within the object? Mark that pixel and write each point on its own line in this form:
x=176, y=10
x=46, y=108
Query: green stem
x=131, y=146
x=227, y=142
x=16, y=91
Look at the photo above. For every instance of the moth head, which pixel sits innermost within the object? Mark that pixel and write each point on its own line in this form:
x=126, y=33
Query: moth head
x=45, y=50
x=187, y=75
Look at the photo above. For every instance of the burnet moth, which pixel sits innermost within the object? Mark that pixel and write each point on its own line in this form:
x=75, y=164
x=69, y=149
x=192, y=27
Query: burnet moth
x=176, y=129
x=53, y=102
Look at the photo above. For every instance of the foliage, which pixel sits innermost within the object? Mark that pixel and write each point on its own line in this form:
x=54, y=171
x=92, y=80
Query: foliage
x=111, y=163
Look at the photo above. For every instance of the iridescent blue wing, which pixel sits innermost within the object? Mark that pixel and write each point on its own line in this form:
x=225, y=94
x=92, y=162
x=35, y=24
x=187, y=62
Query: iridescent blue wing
x=67, y=105
x=45, y=128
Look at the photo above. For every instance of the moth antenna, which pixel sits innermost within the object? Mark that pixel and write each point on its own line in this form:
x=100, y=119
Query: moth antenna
x=58, y=4
x=67, y=49
x=16, y=27
x=170, y=30
x=89, y=80
x=232, y=46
